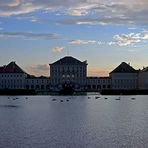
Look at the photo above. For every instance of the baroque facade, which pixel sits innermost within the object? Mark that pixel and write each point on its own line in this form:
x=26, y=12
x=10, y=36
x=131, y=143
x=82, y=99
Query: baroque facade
x=68, y=71
x=12, y=77
x=124, y=77
x=143, y=78
x=71, y=71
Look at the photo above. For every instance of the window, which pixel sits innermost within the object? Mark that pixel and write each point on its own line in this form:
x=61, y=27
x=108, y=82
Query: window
x=37, y=86
x=94, y=86
x=47, y=86
x=108, y=86
x=98, y=86
x=104, y=86
x=42, y=86
x=27, y=86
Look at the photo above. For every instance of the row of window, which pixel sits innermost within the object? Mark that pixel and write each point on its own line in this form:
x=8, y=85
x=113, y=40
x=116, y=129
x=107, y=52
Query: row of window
x=37, y=81
x=11, y=75
x=98, y=86
x=11, y=81
x=125, y=80
x=61, y=69
x=12, y=86
x=68, y=75
x=53, y=81
x=125, y=86
x=37, y=86
x=99, y=81
x=116, y=81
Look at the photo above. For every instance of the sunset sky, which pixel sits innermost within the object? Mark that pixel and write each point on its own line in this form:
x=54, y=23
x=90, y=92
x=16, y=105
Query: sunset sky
x=35, y=33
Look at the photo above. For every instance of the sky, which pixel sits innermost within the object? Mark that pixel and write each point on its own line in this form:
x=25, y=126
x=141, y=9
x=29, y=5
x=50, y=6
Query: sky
x=35, y=33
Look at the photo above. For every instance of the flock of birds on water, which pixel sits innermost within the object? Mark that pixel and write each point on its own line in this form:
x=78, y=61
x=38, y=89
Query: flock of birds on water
x=68, y=99
x=15, y=98
x=96, y=97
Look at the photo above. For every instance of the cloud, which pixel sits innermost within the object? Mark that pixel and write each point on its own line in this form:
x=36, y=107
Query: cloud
x=81, y=9
x=38, y=70
x=29, y=18
x=132, y=28
x=57, y=49
x=94, y=71
x=29, y=35
x=92, y=21
x=10, y=3
x=97, y=11
x=130, y=39
x=145, y=35
x=79, y=21
x=127, y=39
x=78, y=42
x=42, y=67
x=16, y=7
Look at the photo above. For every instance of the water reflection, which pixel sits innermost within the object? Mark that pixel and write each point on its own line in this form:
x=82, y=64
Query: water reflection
x=77, y=122
x=10, y=106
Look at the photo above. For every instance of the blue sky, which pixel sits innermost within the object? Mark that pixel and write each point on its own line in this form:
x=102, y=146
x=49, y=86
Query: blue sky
x=104, y=32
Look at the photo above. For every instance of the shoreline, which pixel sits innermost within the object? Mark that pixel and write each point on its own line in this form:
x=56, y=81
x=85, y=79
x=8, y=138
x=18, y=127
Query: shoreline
x=101, y=92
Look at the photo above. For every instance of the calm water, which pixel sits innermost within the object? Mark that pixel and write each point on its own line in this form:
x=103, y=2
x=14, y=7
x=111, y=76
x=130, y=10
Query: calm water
x=81, y=122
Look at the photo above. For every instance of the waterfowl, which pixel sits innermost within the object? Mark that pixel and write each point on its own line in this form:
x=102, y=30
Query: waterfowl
x=97, y=97
x=133, y=98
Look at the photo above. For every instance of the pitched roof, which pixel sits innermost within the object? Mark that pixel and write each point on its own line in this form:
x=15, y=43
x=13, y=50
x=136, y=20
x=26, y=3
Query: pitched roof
x=145, y=69
x=34, y=77
x=124, y=68
x=68, y=60
x=12, y=67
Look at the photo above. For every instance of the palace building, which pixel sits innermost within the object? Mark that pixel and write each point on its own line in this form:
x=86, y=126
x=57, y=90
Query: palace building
x=68, y=71
x=124, y=77
x=12, y=77
x=73, y=72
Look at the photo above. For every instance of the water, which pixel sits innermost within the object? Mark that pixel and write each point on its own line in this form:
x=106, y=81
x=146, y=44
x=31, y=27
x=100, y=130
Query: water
x=81, y=122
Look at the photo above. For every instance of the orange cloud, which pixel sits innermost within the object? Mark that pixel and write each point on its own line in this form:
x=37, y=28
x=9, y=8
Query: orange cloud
x=98, y=72
x=57, y=49
x=38, y=70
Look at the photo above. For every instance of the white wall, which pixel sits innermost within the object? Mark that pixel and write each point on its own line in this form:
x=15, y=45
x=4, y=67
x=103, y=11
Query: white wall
x=12, y=80
x=143, y=80
x=96, y=83
x=38, y=83
x=124, y=80
x=61, y=74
